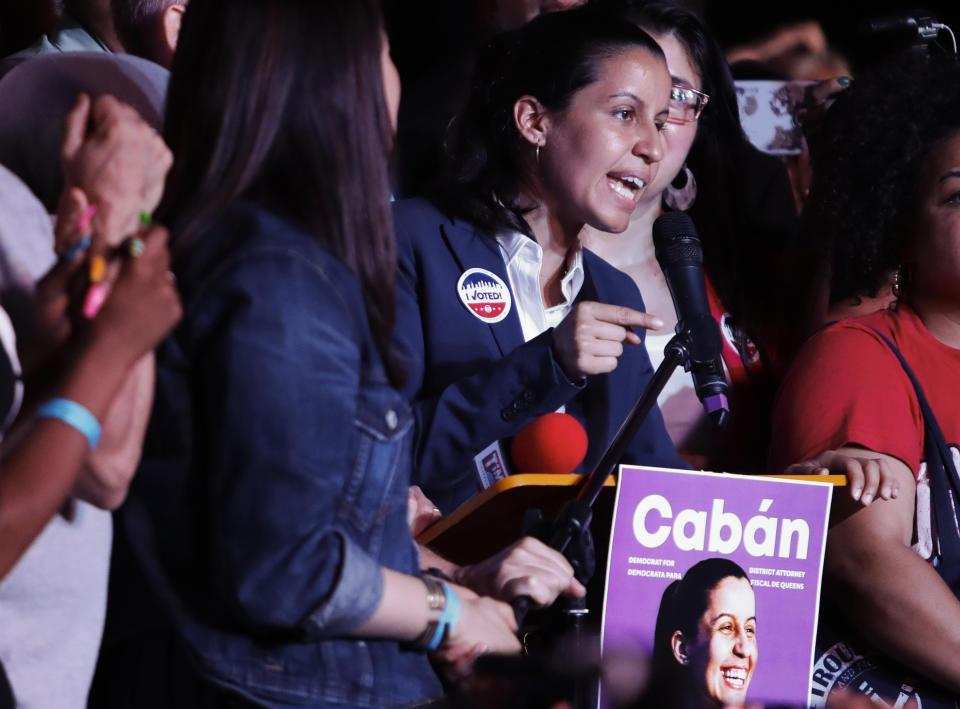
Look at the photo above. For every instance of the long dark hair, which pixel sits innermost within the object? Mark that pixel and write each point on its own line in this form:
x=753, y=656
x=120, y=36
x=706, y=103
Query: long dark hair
x=681, y=607
x=551, y=58
x=281, y=103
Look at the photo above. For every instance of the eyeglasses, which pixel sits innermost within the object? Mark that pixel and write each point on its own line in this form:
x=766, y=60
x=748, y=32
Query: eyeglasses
x=686, y=104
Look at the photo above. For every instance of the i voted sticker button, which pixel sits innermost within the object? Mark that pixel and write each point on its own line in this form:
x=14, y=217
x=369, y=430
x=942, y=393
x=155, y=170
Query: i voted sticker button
x=485, y=294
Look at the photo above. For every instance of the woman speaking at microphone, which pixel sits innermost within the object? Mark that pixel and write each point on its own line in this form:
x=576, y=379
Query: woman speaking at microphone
x=502, y=313
x=740, y=201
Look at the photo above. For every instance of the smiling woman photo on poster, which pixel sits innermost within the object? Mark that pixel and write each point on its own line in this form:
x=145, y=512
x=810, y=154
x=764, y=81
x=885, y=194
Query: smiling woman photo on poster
x=705, y=642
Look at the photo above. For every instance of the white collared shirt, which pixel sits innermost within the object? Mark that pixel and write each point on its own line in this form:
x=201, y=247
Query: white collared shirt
x=524, y=258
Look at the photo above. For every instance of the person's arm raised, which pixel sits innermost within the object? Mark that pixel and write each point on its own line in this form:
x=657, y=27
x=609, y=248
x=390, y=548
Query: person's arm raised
x=118, y=161
x=36, y=476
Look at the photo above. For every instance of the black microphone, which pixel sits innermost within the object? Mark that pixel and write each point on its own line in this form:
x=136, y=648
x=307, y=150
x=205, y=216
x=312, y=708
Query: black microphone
x=916, y=26
x=681, y=260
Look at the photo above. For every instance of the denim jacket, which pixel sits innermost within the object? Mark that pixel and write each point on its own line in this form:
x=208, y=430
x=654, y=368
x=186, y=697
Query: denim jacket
x=275, y=475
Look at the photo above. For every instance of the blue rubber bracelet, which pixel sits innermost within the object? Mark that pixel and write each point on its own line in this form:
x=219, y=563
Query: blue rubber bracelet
x=451, y=612
x=448, y=617
x=72, y=414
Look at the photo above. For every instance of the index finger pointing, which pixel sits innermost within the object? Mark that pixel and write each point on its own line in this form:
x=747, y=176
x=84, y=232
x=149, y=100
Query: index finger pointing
x=625, y=317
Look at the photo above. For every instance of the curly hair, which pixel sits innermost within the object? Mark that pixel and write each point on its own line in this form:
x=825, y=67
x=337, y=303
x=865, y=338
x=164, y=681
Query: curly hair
x=876, y=138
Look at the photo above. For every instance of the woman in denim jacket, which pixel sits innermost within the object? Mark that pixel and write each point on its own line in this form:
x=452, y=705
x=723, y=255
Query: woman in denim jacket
x=270, y=513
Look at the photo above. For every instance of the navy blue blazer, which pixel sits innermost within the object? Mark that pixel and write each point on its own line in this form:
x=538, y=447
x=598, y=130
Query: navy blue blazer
x=472, y=383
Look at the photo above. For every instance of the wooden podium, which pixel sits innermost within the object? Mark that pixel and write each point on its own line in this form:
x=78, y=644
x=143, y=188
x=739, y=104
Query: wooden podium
x=493, y=519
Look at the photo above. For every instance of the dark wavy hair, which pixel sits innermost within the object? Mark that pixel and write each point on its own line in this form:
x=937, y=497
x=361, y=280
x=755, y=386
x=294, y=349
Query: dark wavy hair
x=552, y=57
x=681, y=607
x=876, y=138
x=281, y=103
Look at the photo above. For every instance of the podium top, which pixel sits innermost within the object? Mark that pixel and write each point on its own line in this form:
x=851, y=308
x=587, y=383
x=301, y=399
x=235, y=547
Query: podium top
x=511, y=482
x=545, y=480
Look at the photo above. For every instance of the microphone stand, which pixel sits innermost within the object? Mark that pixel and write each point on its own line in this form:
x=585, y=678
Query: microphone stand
x=569, y=533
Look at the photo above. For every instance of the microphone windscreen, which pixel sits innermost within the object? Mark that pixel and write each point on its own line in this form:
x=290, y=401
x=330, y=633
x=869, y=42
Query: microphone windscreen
x=675, y=239
x=553, y=443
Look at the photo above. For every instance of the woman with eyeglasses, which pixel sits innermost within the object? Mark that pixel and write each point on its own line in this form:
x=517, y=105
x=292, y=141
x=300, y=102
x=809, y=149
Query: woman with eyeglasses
x=504, y=316
x=741, y=204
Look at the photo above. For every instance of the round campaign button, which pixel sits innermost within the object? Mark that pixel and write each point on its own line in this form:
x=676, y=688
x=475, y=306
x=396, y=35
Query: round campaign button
x=485, y=294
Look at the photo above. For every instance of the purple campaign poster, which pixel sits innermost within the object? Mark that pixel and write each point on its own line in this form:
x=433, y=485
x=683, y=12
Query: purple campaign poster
x=665, y=522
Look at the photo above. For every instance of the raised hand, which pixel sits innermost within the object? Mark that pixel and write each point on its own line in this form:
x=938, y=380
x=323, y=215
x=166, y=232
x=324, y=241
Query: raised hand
x=118, y=161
